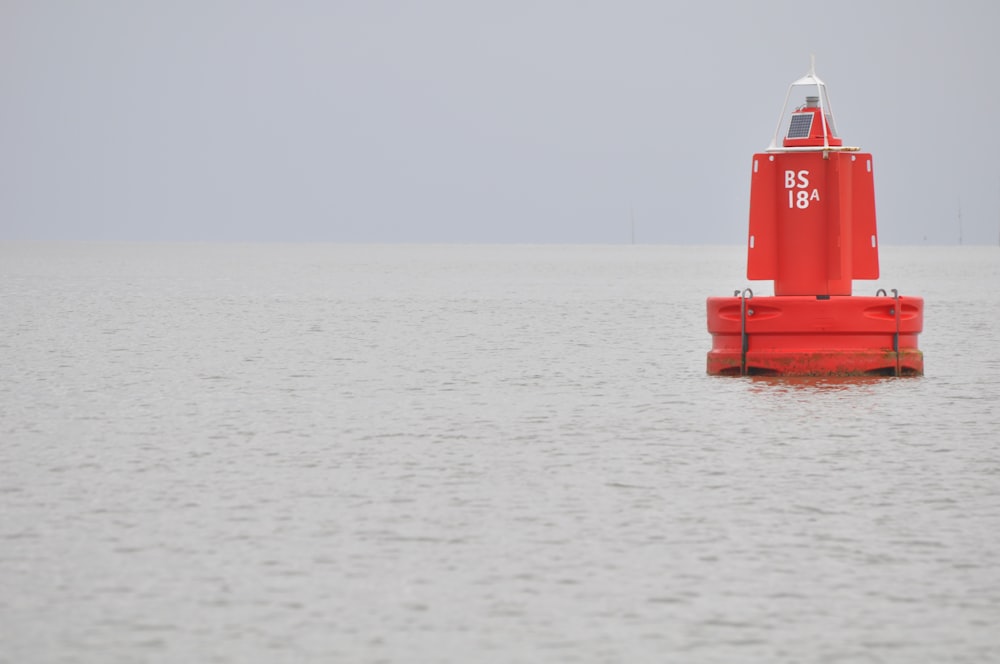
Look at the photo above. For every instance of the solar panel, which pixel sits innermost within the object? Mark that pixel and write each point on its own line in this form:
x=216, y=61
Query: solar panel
x=800, y=125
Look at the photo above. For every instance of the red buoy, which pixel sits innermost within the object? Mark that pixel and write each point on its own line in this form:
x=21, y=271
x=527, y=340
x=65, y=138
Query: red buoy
x=812, y=231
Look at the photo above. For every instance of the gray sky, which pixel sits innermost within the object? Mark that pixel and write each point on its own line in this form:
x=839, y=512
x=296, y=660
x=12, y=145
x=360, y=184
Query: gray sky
x=466, y=121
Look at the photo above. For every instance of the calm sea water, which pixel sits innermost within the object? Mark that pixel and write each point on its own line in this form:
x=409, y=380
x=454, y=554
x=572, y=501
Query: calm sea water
x=304, y=453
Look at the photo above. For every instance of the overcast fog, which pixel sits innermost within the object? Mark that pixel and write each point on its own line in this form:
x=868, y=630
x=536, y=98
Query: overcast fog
x=464, y=121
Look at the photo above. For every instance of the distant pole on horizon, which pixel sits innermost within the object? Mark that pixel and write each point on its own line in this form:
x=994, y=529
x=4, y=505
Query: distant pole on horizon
x=631, y=214
x=960, y=222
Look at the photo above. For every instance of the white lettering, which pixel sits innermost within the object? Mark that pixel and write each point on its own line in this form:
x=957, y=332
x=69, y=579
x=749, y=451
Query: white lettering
x=801, y=198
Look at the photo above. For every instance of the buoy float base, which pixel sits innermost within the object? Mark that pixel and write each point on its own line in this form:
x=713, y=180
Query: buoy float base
x=801, y=335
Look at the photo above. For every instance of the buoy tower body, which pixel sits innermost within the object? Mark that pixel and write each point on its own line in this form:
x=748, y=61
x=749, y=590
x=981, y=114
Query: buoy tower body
x=812, y=231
